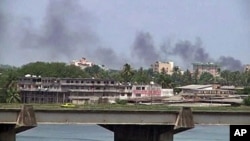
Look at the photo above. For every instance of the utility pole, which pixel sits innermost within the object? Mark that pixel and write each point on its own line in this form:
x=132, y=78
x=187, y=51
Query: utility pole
x=151, y=91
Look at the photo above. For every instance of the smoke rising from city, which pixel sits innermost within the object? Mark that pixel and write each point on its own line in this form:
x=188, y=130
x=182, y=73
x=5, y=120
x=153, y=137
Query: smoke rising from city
x=144, y=49
x=191, y=52
x=230, y=63
x=187, y=51
x=67, y=32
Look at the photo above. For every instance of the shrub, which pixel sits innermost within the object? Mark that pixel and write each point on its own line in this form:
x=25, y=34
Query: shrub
x=246, y=101
x=122, y=102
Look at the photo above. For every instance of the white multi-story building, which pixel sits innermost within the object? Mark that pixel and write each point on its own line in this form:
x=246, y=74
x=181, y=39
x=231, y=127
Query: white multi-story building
x=60, y=90
x=82, y=63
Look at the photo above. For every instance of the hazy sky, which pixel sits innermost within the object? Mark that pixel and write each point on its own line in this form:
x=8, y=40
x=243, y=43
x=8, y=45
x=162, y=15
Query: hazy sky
x=115, y=32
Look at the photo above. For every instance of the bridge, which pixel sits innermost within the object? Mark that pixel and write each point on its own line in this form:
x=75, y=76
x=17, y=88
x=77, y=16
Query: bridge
x=126, y=125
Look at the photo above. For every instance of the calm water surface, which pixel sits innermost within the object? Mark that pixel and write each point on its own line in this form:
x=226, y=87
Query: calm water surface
x=95, y=133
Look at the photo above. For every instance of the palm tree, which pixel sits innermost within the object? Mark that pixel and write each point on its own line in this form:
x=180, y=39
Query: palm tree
x=127, y=73
x=187, y=78
x=10, y=89
x=13, y=95
x=225, y=76
x=196, y=76
x=141, y=76
x=176, y=77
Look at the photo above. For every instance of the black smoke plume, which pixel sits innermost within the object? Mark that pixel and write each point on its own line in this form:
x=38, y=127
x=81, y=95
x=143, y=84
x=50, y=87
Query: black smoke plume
x=144, y=49
x=191, y=53
x=230, y=63
x=65, y=31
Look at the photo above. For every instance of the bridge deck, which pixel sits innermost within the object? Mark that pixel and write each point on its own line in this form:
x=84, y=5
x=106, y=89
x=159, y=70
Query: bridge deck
x=9, y=116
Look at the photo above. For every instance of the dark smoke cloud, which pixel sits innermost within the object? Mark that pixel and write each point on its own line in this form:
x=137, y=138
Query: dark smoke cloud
x=146, y=52
x=109, y=57
x=190, y=53
x=230, y=63
x=144, y=49
x=65, y=31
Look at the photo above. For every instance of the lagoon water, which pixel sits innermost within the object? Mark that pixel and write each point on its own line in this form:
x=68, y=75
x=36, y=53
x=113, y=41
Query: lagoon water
x=73, y=132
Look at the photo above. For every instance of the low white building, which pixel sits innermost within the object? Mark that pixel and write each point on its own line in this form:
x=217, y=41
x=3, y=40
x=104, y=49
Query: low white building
x=167, y=92
x=205, y=89
x=146, y=91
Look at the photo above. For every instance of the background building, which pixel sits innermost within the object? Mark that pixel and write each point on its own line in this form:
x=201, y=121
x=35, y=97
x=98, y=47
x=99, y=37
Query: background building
x=247, y=68
x=166, y=67
x=206, y=67
x=82, y=63
x=146, y=91
x=35, y=89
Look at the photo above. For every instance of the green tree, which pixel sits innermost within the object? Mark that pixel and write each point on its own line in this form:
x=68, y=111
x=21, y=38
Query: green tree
x=164, y=80
x=246, y=101
x=196, y=76
x=141, y=76
x=225, y=75
x=127, y=73
x=54, y=69
x=176, y=77
x=12, y=94
x=9, y=91
x=187, y=78
x=96, y=72
x=206, y=78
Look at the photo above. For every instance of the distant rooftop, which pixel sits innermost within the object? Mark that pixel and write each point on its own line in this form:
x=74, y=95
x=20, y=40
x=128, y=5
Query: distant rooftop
x=195, y=87
x=206, y=64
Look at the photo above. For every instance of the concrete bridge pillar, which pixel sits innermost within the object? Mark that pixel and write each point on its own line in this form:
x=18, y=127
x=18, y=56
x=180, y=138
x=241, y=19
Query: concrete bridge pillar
x=141, y=132
x=25, y=120
x=7, y=132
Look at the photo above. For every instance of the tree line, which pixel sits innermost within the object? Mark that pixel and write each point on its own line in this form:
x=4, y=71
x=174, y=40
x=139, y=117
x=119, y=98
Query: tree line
x=9, y=76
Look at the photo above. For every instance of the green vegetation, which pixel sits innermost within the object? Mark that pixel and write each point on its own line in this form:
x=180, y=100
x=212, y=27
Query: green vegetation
x=9, y=76
x=121, y=102
x=246, y=90
x=246, y=101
